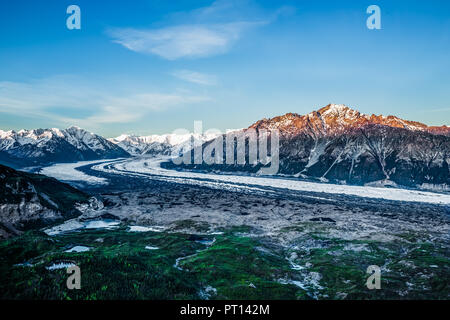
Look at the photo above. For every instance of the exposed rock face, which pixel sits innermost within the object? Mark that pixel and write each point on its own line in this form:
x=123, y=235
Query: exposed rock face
x=369, y=153
x=34, y=200
x=334, y=120
x=339, y=144
x=45, y=146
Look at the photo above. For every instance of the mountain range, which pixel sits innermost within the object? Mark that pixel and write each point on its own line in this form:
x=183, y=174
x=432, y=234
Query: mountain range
x=336, y=119
x=41, y=147
x=342, y=145
x=334, y=143
x=44, y=146
x=165, y=144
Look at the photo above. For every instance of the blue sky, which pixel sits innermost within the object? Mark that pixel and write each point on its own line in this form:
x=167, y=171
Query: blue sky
x=153, y=66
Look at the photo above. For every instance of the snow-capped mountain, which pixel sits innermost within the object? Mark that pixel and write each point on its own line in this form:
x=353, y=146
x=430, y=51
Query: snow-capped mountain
x=337, y=143
x=166, y=144
x=44, y=146
x=335, y=119
x=334, y=143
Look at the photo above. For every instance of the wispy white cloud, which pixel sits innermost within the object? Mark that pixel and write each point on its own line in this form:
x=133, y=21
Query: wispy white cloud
x=195, y=77
x=57, y=99
x=133, y=107
x=184, y=41
x=436, y=110
x=211, y=30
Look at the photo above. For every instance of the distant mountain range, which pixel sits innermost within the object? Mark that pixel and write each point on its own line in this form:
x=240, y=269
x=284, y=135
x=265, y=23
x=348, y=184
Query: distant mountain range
x=165, y=144
x=334, y=143
x=41, y=147
x=44, y=146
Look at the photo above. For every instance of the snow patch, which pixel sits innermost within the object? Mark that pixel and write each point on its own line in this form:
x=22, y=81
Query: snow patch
x=60, y=265
x=73, y=225
x=68, y=172
x=78, y=249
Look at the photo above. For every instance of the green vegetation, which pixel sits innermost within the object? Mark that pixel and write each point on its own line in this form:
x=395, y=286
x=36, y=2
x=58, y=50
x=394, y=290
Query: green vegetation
x=234, y=266
x=418, y=270
x=117, y=267
x=239, y=270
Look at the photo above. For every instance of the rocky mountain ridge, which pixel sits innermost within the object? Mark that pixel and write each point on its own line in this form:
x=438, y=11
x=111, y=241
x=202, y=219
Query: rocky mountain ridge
x=342, y=145
x=29, y=200
x=45, y=146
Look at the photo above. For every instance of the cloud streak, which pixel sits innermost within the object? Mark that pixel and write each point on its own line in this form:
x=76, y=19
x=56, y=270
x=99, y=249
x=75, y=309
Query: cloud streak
x=212, y=30
x=195, y=77
x=184, y=41
x=60, y=101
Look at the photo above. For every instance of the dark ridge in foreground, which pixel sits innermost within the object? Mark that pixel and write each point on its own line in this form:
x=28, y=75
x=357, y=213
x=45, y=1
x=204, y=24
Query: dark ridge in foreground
x=32, y=200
